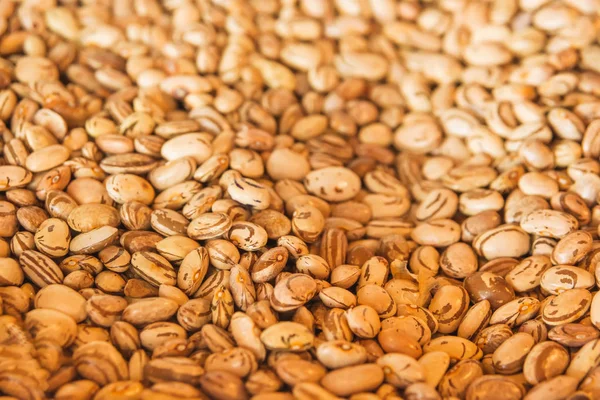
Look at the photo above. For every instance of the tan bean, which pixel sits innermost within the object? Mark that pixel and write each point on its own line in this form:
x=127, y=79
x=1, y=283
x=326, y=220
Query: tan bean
x=394, y=341
x=374, y=271
x=40, y=269
x=556, y=224
x=490, y=338
x=349, y=380
x=288, y=336
x=376, y=297
x=409, y=325
x=475, y=320
x=527, y=274
x=458, y=261
x=63, y=299
x=573, y=335
x=152, y=309
x=11, y=273
x=89, y=356
x=168, y=222
x=488, y=385
x=458, y=379
x=153, y=268
x=567, y=307
x=490, y=244
x=292, y=292
x=269, y=265
x=583, y=361
x=308, y=223
x=79, y=389
x=104, y=310
x=562, y=277
x=545, y=361
x=437, y=233
x=93, y=241
x=572, y=248
x=14, y=177
x=363, y=321
x=123, y=188
x=47, y=158
x=128, y=163
x=87, y=217
x=53, y=237
x=457, y=348
x=449, y=306
x=338, y=354
x=115, y=258
x=247, y=236
x=557, y=387
x=135, y=215
x=478, y=224
x=510, y=356
x=333, y=183
x=246, y=191
x=435, y=364
x=335, y=297
x=516, y=312
x=222, y=307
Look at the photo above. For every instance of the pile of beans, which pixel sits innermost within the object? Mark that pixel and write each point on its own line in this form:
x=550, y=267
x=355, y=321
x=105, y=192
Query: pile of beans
x=299, y=199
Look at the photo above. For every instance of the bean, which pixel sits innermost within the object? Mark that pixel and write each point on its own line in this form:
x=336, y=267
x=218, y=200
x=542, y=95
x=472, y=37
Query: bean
x=573, y=335
x=555, y=388
x=247, y=236
x=489, y=385
x=437, y=233
x=40, y=268
x=123, y=188
x=583, y=361
x=350, y=380
x=556, y=279
x=459, y=261
x=475, y=320
x=510, y=356
x=572, y=248
x=527, y=274
x=104, y=310
x=292, y=292
x=53, y=237
x=88, y=356
x=567, y=307
x=545, y=361
x=516, y=311
x=93, y=241
x=449, y=306
x=289, y=336
x=401, y=370
x=338, y=354
x=556, y=224
x=457, y=348
x=153, y=268
x=435, y=364
x=490, y=244
x=363, y=321
x=458, y=379
x=149, y=310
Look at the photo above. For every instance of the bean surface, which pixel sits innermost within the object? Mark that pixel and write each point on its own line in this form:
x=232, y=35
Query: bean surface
x=311, y=199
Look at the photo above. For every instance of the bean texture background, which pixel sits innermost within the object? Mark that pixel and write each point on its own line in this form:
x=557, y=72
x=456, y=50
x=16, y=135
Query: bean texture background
x=300, y=199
